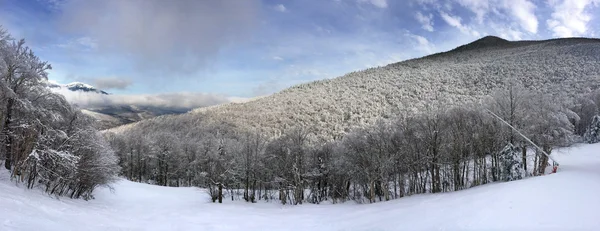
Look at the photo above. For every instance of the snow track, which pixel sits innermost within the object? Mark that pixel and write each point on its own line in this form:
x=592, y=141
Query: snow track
x=567, y=200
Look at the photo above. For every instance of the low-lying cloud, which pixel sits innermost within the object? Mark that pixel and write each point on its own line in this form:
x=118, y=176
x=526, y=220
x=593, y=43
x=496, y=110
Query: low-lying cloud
x=184, y=100
x=111, y=83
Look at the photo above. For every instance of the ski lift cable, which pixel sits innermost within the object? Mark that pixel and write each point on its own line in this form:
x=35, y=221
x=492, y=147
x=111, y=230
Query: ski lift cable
x=524, y=137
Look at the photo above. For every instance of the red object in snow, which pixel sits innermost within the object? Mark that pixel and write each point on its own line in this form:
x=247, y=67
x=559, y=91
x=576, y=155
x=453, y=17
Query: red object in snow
x=554, y=168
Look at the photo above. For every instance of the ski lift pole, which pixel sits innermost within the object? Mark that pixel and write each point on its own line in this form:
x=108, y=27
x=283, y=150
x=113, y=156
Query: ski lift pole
x=525, y=137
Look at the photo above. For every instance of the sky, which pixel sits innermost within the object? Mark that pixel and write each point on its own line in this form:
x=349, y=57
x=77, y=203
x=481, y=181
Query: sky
x=249, y=48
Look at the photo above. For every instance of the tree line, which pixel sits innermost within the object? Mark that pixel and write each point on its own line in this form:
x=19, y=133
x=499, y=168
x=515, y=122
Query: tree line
x=440, y=149
x=44, y=141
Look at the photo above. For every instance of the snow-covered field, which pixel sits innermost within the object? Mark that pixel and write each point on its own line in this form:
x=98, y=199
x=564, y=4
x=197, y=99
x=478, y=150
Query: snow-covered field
x=567, y=200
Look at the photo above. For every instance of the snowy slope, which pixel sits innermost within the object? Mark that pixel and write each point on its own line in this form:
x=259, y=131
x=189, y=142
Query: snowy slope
x=567, y=200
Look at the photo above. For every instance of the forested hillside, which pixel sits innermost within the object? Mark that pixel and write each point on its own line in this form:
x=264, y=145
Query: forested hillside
x=332, y=107
x=418, y=126
x=44, y=142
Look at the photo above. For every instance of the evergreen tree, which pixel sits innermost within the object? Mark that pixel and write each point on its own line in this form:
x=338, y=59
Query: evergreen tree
x=592, y=134
x=511, y=163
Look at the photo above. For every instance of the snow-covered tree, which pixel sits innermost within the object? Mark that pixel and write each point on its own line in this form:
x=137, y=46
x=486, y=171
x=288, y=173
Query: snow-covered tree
x=511, y=163
x=592, y=134
x=46, y=142
x=548, y=125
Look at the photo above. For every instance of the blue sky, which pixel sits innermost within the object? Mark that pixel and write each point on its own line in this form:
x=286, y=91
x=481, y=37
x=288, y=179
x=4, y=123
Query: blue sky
x=246, y=48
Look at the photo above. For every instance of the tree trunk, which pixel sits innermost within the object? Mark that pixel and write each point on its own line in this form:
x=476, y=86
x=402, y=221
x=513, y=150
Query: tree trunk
x=220, y=193
x=386, y=192
x=7, y=133
x=130, y=165
x=246, y=188
x=253, y=196
x=166, y=173
x=282, y=196
x=524, y=151
x=372, y=192
x=396, y=186
x=535, y=163
x=544, y=161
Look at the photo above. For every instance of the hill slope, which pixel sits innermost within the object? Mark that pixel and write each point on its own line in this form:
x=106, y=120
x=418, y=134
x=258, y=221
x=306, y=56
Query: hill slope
x=566, y=200
x=465, y=74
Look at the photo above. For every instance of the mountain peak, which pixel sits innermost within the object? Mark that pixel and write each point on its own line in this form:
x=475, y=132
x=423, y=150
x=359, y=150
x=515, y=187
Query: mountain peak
x=485, y=42
x=77, y=86
x=490, y=39
x=80, y=85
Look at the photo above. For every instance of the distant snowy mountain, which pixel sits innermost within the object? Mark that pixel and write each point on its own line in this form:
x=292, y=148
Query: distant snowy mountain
x=77, y=86
x=109, y=114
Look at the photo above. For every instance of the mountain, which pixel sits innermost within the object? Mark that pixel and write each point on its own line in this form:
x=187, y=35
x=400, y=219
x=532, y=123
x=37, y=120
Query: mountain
x=467, y=74
x=77, y=86
x=115, y=115
x=111, y=115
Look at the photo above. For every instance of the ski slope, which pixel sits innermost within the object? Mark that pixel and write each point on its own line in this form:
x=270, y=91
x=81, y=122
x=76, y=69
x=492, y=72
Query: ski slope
x=567, y=200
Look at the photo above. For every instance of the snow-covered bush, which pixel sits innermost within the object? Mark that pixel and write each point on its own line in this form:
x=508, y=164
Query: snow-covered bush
x=592, y=134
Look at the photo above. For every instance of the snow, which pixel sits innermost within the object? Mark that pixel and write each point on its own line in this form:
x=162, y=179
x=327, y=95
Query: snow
x=567, y=200
x=80, y=85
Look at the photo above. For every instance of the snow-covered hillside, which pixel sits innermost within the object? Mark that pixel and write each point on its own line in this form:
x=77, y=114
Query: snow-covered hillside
x=567, y=200
x=467, y=74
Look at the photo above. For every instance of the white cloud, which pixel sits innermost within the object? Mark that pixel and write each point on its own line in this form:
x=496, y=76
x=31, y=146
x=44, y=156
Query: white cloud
x=277, y=58
x=377, y=3
x=521, y=12
x=479, y=7
x=423, y=44
x=81, y=43
x=569, y=17
x=425, y=20
x=174, y=37
x=506, y=32
x=87, y=42
x=280, y=8
x=111, y=83
x=455, y=21
x=524, y=12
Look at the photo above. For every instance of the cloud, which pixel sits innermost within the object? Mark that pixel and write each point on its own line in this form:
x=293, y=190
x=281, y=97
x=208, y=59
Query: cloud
x=81, y=44
x=423, y=44
x=455, y=21
x=280, y=8
x=479, y=7
x=378, y=3
x=523, y=11
x=111, y=83
x=184, y=100
x=569, y=17
x=425, y=20
x=178, y=37
x=506, y=32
